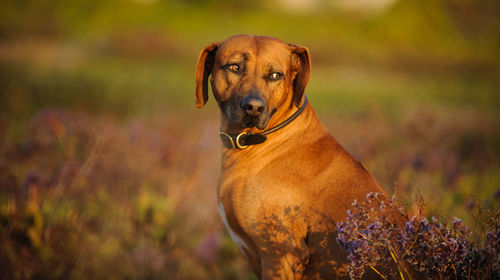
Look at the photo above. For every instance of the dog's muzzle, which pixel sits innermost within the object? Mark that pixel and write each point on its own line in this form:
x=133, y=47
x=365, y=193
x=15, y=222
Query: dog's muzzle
x=250, y=111
x=254, y=111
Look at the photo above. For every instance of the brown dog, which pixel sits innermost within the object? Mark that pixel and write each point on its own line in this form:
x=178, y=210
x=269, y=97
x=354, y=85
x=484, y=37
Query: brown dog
x=285, y=180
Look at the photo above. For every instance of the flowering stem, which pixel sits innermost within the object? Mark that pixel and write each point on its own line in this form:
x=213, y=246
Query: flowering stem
x=454, y=269
x=383, y=277
x=397, y=263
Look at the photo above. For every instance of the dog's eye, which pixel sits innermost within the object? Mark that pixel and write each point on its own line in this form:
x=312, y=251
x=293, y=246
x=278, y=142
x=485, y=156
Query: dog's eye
x=233, y=68
x=276, y=76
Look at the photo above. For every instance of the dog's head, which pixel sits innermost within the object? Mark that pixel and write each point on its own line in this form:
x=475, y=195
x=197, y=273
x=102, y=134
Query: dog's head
x=252, y=77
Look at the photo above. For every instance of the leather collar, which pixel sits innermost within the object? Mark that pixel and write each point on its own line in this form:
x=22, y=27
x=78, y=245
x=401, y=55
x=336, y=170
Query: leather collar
x=245, y=139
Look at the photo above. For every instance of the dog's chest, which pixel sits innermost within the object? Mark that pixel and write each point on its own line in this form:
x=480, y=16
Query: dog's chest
x=237, y=239
x=236, y=204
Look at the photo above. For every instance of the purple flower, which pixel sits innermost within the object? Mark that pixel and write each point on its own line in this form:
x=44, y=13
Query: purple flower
x=430, y=249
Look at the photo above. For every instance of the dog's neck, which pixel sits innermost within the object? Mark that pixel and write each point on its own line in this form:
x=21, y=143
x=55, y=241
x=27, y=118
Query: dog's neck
x=307, y=128
x=302, y=128
x=301, y=134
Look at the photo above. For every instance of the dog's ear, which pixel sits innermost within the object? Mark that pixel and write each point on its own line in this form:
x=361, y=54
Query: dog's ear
x=301, y=65
x=203, y=71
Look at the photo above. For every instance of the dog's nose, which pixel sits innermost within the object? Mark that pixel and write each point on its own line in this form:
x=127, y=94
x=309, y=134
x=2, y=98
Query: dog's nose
x=252, y=106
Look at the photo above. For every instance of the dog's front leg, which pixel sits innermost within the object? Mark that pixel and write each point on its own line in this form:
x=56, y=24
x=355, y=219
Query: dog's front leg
x=291, y=265
x=283, y=250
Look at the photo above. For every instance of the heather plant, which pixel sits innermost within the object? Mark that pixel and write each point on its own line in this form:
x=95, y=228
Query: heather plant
x=377, y=235
x=85, y=198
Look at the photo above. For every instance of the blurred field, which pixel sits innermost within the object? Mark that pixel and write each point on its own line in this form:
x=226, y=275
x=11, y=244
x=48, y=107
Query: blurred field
x=108, y=171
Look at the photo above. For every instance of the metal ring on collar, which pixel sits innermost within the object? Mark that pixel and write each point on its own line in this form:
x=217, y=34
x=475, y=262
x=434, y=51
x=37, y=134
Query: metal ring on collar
x=238, y=141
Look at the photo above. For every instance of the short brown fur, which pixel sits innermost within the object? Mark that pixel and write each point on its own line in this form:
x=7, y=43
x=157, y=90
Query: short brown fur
x=280, y=199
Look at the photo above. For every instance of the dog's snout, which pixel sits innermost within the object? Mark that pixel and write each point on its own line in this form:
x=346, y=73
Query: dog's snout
x=252, y=106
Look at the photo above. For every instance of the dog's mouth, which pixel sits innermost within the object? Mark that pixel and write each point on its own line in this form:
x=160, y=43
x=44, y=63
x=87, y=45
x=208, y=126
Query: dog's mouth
x=259, y=122
x=236, y=117
x=245, y=121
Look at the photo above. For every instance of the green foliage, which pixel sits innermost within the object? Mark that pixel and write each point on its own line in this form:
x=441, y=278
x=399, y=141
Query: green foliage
x=135, y=57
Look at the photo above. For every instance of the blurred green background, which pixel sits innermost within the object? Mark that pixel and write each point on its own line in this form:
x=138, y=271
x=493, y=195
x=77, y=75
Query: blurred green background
x=107, y=170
